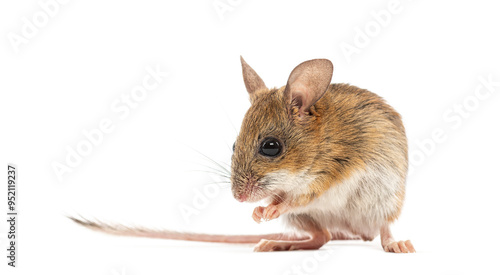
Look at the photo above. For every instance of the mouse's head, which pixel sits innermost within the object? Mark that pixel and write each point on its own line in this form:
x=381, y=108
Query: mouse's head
x=278, y=140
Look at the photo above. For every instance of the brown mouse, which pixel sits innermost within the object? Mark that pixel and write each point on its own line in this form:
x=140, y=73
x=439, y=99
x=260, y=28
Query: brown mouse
x=330, y=159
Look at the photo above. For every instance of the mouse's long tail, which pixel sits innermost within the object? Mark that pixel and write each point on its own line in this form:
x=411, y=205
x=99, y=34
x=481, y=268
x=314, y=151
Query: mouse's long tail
x=122, y=230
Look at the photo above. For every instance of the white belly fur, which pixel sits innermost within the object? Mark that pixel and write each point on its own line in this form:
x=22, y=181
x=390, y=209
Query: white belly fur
x=360, y=204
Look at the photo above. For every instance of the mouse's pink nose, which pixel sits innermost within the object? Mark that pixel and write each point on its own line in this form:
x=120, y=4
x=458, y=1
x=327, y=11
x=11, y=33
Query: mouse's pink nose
x=242, y=197
x=244, y=191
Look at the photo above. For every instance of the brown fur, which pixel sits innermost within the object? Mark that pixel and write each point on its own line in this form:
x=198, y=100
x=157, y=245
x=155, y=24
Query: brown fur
x=348, y=128
x=343, y=163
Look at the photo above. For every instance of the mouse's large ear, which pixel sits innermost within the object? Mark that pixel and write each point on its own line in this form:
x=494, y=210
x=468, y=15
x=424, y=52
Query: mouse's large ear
x=307, y=83
x=253, y=82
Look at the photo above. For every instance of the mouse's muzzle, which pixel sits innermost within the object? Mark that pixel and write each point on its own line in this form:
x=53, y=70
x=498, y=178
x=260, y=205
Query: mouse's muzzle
x=247, y=189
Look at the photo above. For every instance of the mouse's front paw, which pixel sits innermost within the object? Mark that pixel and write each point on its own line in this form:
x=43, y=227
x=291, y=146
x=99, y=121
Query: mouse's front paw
x=271, y=212
x=258, y=213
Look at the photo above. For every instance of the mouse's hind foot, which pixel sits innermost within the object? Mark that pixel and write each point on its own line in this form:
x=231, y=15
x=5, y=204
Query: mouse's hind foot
x=390, y=245
x=277, y=245
x=400, y=247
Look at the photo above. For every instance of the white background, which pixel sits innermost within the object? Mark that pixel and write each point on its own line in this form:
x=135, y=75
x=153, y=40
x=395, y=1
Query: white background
x=426, y=61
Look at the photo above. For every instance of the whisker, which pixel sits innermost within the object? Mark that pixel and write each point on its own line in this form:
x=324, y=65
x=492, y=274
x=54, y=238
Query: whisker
x=212, y=172
x=221, y=172
x=229, y=119
x=215, y=162
x=215, y=169
x=227, y=164
x=280, y=196
x=219, y=182
x=230, y=148
x=210, y=159
x=224, y=186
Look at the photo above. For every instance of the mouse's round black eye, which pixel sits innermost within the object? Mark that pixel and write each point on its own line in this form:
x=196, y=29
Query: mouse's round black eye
x=234, y=145
x=270, y=147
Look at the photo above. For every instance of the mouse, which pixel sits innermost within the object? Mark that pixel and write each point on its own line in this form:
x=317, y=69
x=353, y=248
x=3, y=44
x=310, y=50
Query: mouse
x=328, y=159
